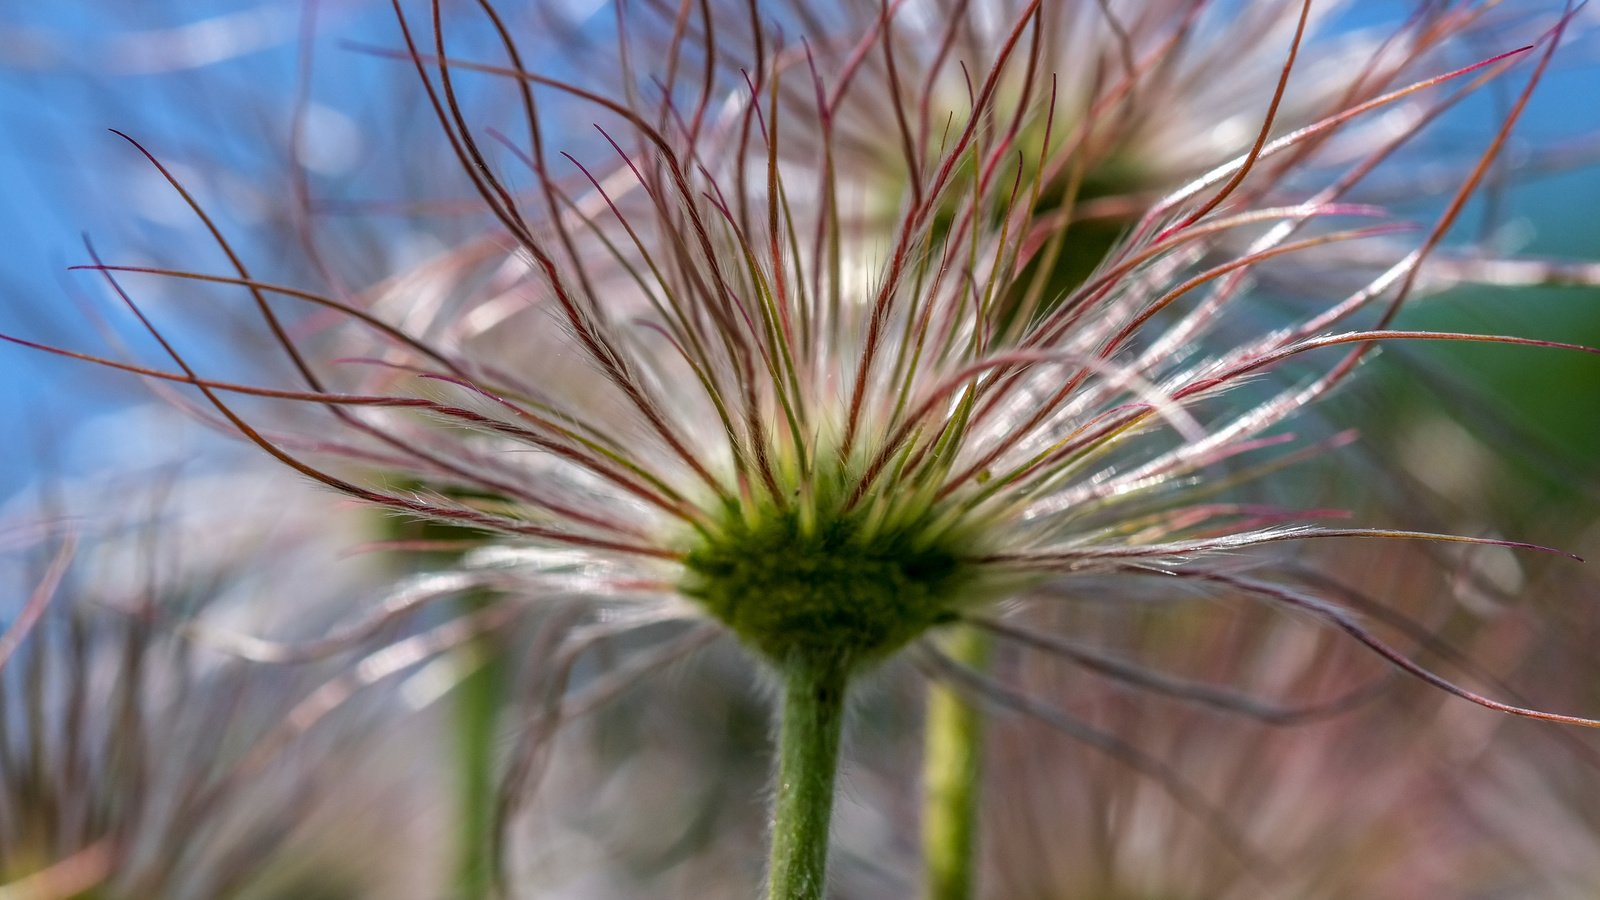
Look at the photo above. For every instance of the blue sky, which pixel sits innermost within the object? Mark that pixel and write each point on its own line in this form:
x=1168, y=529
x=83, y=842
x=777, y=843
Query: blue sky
x=208, y=87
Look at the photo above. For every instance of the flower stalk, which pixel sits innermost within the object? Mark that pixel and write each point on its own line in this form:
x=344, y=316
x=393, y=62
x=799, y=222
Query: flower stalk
x=808, y=760
x=479, y=700
x=952, y=775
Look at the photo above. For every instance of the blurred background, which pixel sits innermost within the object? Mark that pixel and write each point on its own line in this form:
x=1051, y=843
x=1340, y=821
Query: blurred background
x=287, y=120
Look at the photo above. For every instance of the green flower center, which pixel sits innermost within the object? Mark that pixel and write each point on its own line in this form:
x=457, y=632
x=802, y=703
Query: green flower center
x=829, y=584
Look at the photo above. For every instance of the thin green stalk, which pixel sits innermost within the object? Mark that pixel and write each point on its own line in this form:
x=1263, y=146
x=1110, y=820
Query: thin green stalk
x=952, y=770
x=808, y=758
x=479, y=698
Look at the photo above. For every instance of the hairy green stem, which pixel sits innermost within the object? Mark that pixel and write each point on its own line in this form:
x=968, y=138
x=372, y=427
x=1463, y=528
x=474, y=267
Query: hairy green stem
x=952, y=769
x=808, y=758
x=479, y=698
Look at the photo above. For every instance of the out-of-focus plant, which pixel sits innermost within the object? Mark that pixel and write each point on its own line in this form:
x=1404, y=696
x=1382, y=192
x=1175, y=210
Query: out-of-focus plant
x=136, y=760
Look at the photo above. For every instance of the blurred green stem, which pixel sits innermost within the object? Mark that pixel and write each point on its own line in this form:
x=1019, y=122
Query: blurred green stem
x=952, y=775
x=808, y=758
x=478, y=700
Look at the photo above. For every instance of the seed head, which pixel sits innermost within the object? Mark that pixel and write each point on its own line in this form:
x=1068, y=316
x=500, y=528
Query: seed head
x=733, y=404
